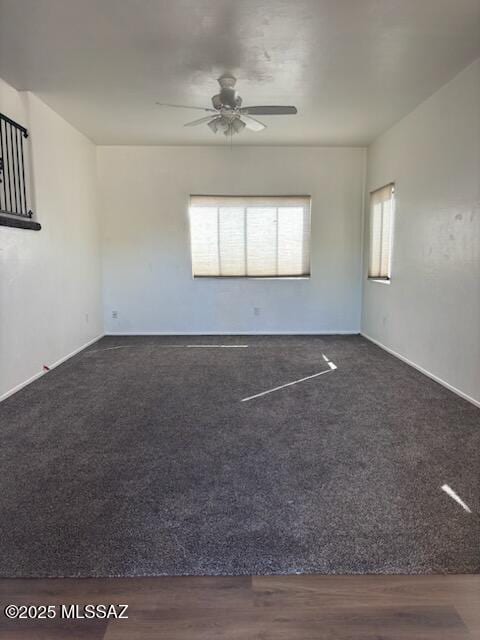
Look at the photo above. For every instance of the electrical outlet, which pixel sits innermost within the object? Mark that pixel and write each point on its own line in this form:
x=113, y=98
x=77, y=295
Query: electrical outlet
x=256, y=311
x=114, y=315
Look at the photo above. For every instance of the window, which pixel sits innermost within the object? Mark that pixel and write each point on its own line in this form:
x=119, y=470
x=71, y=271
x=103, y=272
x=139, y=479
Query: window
x=254, y=237
x=381, y=228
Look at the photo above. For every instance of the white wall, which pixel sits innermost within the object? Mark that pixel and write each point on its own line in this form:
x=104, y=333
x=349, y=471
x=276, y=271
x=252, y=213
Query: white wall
x=50, y=280
x=146, y=252
x=430, y=313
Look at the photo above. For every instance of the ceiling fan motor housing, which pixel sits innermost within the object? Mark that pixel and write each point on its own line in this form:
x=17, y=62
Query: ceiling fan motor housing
x=228, y=98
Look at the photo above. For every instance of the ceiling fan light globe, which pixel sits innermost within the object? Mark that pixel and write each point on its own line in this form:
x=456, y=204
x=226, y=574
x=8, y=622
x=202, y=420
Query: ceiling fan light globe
x=213, y=124
x=237, y=125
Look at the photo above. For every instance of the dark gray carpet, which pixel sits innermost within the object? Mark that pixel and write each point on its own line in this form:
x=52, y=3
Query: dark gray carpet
x=141, y=460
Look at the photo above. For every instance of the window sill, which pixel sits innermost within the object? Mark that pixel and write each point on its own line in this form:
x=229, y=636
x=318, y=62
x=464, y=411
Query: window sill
x=380, y=280
x=8, y=220
x=251, y=277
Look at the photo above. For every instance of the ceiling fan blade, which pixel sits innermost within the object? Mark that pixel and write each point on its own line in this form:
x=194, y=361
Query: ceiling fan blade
x=184, y=106
x=199, y=121
x=252, y=123
x=272, y=110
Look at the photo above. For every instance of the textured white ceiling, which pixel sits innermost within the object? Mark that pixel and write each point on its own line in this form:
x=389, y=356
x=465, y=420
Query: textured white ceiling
x=352, y=67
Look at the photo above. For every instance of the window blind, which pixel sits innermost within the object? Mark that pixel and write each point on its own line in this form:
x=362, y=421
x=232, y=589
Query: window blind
x=250, y=236
x=381, y=227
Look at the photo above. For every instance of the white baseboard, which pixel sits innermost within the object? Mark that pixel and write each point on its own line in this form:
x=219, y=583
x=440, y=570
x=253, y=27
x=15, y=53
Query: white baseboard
x=232, y=333
x=422, y=370
x=50, y=366
x=243, y=333
x=10, y=392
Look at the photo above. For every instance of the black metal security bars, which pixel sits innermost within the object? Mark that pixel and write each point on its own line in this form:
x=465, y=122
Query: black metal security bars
x=13, y=190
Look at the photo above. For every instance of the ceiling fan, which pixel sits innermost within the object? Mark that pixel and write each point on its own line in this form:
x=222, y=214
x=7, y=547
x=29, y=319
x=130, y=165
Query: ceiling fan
x=228, y=115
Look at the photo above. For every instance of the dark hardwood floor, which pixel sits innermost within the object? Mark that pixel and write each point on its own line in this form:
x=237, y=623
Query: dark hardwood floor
x=258, y=608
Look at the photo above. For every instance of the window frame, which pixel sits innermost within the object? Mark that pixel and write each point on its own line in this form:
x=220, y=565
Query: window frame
x=248, y=277
x=379, y=278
